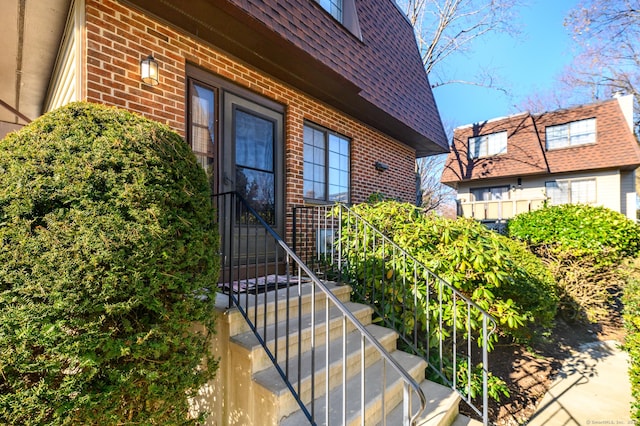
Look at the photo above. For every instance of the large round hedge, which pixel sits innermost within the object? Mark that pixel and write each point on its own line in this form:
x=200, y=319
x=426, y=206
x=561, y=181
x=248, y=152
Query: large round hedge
x=107, y=248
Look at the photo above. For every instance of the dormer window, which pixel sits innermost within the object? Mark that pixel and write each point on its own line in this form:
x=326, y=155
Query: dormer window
x=344, y=11
x=334, y=7
x=582, y=132
x=488, y=145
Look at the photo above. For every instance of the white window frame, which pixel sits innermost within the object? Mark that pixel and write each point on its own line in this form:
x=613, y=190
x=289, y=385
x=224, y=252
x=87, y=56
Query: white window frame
x=574, y=133
x=488, y=145
x=570, y=196
x=494, y=193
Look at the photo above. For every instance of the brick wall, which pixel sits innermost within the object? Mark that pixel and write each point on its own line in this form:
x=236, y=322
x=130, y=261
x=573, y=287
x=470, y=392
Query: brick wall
x=118, y=37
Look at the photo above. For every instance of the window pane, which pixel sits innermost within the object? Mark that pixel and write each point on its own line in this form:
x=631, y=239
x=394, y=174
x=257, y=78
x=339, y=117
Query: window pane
x=487, y=145
x=202, y=115
x=497, y=143
x=308, y=189
x=258, y=189
x=318, y=156
x=202, y=106
x=319, y=191
x=254, y=141
x=319, y=174
x=558, y=192
x=334, y=7
x=583, y=191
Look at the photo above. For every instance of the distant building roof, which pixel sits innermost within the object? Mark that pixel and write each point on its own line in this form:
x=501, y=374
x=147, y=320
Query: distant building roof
x=616, y=145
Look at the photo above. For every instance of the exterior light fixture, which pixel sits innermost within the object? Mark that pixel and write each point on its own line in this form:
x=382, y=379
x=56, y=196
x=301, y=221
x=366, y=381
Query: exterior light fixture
x=381, y=167
x=149, y=71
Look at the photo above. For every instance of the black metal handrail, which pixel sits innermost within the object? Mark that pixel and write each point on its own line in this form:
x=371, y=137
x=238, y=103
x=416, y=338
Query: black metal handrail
x=252, y=251
x=432, y=318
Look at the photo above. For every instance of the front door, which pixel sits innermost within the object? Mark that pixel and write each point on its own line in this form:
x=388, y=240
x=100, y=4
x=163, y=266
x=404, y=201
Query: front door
x=253, y=167
x=238, y=138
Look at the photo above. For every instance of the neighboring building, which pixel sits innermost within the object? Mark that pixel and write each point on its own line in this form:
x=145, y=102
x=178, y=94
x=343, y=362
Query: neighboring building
x=586, y=154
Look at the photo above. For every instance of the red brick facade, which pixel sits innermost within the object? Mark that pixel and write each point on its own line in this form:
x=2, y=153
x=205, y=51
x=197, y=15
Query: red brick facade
x=117, y=37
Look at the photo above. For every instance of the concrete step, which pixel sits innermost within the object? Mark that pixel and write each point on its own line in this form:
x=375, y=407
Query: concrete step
x=441, y=409
x=377, y=377
x=465, y=421
x=276, y=305
x=283, y=336
x=270, y=379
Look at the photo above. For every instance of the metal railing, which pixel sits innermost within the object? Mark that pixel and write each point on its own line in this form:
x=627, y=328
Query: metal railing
x=434, y=320
x=267, y=282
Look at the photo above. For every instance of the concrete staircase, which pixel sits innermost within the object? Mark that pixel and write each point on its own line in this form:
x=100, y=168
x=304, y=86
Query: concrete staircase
x=249, y=390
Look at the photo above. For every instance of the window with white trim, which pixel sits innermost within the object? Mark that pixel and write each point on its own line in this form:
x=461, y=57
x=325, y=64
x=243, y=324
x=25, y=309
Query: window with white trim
x=571, y=191
x=326, y=164
x=488, y=145
x=491, y=193
x=575, y=133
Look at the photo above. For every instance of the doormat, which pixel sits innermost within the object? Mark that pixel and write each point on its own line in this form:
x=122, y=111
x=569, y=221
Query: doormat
x=262, y=284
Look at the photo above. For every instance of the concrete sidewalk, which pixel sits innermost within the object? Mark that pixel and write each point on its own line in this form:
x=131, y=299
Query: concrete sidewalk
x=592, y=388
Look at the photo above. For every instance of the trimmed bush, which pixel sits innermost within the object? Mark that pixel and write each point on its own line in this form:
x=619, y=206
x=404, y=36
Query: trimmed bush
x=107, y=246
x=579, y=228
x=583, y=247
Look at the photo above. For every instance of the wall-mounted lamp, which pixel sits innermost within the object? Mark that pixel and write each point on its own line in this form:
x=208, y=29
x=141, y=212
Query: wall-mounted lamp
x=381, y=167
x=149, y=71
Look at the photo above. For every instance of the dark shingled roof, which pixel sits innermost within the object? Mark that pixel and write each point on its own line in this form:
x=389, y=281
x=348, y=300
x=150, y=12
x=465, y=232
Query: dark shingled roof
x=615, y=147
x=378, y=79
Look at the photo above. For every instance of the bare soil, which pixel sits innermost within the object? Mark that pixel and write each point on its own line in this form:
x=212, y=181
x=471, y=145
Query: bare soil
x=529, y=370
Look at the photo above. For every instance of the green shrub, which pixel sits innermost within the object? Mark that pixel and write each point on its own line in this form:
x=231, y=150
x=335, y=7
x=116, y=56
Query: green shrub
x=106, y=247
x=631, y=316
x=497, y=273
x=583, y=247
x=582, y=229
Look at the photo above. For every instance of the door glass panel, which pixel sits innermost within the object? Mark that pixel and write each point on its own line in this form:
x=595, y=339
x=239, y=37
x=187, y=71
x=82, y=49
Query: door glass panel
x=202, y=134
x=255, y=180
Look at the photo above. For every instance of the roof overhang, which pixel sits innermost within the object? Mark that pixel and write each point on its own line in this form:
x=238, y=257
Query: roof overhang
x=227, y=27
x=30, y=33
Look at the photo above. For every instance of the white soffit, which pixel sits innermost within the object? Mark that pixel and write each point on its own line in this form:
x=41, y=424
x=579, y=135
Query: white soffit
x=30, y=33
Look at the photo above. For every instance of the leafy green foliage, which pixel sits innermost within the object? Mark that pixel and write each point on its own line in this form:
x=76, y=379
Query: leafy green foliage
x=583, y=246
x=582, y=229
x=631, y=317
x=499, y=274
x=107, y=245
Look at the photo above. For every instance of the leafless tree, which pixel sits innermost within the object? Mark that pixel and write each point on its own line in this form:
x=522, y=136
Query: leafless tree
x=435, y=195
x=447, y=27
x=444, y=28
x=607, y=35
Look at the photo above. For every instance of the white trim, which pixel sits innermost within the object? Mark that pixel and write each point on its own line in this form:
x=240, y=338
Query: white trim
x=67, y=80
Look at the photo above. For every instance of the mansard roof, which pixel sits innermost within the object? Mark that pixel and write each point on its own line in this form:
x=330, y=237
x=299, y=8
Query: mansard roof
x=376, y=75
x=616, y=146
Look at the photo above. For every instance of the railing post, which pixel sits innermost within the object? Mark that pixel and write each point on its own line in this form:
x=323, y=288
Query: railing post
x=485, y=373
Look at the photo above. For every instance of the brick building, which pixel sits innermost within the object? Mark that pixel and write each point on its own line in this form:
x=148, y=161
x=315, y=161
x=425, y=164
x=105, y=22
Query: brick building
x=300, y=103
x=585, y=154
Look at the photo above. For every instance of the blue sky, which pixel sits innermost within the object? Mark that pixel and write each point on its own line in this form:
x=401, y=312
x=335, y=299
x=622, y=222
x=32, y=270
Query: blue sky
x=526, y=64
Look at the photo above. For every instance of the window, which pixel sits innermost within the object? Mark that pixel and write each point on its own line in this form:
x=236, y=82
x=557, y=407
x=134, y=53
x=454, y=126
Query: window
x=326, y=165
x=488, y=145
x=334, y=7
x=490, y=194
x=581, y=191
x=202, y=133
x=571, y=134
